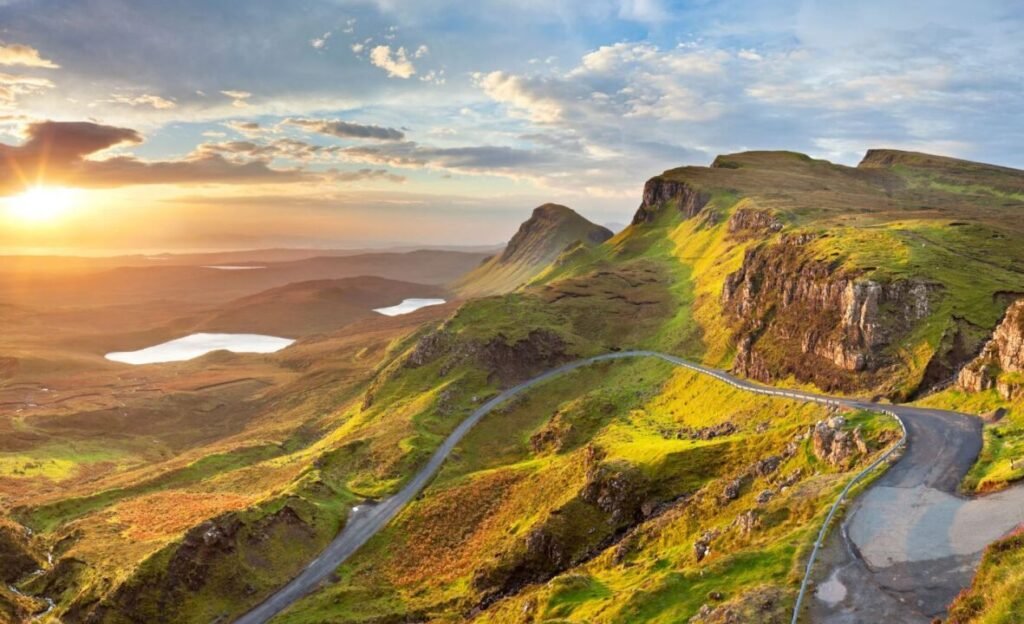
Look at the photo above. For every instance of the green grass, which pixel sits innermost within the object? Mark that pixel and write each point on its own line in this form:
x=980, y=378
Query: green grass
x=498, y=487
x=47, y=517
x=58, y=462
x=994, y=596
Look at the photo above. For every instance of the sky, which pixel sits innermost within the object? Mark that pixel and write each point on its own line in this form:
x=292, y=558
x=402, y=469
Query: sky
x=212, y=124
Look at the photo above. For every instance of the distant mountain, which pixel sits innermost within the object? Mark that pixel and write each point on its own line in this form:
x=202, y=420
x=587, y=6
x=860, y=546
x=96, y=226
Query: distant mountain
x=550, y=231
x=207, y=285
x=313, y=307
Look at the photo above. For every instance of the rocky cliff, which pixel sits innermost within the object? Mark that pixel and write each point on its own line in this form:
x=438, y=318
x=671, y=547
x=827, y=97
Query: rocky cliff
x=661, y=193
x=796, y=315
x=1001, y=359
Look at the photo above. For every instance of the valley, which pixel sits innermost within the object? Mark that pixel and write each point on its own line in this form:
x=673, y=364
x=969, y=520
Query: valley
x=584, y=426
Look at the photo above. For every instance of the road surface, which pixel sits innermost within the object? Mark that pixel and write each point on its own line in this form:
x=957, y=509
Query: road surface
x=894, y=543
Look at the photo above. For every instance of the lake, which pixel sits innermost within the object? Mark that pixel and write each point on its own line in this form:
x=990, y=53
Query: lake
x=407, y=306
x=196, y=345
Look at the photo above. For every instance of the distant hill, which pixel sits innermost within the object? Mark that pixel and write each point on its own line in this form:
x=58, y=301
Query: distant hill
x=205, y=285
x=551, y=230
x=313, y=307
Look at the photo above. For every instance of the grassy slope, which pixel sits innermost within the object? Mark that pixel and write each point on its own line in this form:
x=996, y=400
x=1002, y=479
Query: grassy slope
x=122, y=529
x=500, y=487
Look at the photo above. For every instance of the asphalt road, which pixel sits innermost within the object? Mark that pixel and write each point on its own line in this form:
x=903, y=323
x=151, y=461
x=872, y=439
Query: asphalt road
x=941, y=447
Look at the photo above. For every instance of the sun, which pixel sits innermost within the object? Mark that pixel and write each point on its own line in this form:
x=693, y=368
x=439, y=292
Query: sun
x=41, y=204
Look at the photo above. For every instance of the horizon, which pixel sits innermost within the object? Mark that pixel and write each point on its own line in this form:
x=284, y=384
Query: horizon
x=338, y=124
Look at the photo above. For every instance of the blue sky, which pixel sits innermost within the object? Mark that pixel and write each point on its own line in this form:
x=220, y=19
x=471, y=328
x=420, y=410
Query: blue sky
x=339, y=122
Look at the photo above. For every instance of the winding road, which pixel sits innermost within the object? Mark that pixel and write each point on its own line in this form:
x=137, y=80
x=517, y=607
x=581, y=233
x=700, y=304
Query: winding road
x=907, y=546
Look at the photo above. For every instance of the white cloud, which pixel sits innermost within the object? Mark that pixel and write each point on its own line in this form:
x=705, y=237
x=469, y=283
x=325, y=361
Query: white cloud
x=13, y=86
x=239, y=97
x=146, y=99
x=421, y=51
x=27, y=56
x=320, y=42
x=396, y=64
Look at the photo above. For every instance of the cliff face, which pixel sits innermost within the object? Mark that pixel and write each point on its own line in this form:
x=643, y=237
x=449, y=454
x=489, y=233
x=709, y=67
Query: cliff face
x=1004, y=353
x=660, y=193
x=797, y=315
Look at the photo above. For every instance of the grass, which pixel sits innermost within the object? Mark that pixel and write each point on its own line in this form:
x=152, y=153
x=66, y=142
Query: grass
x=994, y=596
x=58, y=462
x=503, y=483
x=48, y=517
x=1002, y=442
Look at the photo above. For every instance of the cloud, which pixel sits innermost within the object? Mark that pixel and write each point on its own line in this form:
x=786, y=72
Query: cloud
x=239, y=97
x=248, y=128
x=67, y=141
x=65, y=153
x=320, y=42
x=337, y=175
x=396, y=64
x=152, y=101
x=290, y=149
x=13, y=86
x=27, y=56
x=487, y=159
x=347, y=130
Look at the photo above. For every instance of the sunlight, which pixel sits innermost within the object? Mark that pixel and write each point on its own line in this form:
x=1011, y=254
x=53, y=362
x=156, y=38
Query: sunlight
x=41, y=204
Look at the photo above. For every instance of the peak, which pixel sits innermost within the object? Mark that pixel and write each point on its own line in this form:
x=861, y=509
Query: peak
x=550, y=210
x=547, y=234
x=553, y=224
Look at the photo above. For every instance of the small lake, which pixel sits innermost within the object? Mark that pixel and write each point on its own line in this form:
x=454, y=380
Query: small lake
x=196, y=345
x=407, y=306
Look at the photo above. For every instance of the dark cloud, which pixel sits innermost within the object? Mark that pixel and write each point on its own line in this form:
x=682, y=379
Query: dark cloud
x=57, y=153
x=346, y=130
x=66, y=141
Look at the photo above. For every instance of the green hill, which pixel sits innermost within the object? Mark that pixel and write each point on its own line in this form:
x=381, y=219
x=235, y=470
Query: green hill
x=551, y=231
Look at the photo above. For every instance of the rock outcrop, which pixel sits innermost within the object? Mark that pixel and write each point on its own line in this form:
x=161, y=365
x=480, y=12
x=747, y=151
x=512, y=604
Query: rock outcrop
x=508, y=361
x=835, y=445
x=1000, y=358
x=753, y=221
x=660, y=193
x=764, y=605
x=798, y=315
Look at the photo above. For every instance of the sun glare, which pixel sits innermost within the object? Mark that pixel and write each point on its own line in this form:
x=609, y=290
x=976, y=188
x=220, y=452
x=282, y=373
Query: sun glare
x=41, y=204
